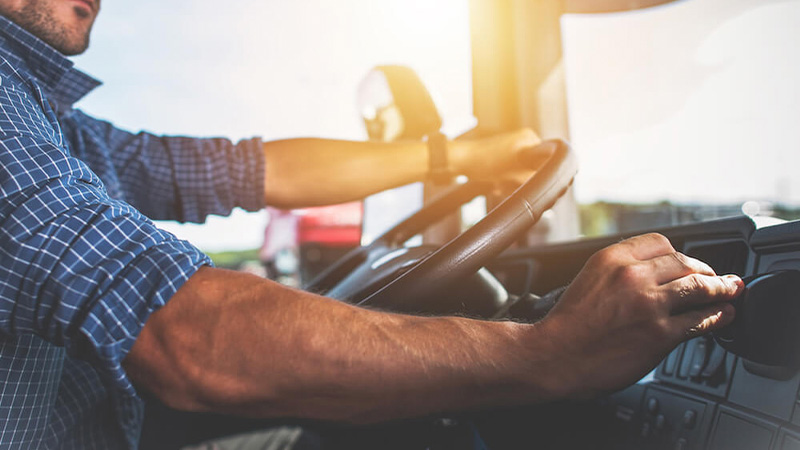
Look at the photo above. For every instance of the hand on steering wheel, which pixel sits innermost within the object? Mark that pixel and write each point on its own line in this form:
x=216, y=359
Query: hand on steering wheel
x=369, y=275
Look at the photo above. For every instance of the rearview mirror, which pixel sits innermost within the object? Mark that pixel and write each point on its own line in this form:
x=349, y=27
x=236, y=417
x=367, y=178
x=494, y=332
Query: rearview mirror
x=395, y=104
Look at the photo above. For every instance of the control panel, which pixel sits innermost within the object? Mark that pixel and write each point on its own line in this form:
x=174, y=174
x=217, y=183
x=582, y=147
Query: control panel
x=673, y=420
x=699, y=364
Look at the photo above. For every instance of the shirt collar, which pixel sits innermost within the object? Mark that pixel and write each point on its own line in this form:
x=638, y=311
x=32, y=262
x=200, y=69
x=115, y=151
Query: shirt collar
x=62, y=82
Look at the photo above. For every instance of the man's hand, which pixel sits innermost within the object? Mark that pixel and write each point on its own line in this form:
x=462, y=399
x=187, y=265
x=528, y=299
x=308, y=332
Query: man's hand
x=503, y=157
x=631, y=304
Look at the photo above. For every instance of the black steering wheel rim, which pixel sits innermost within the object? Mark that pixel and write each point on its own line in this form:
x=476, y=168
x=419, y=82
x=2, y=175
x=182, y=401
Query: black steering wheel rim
x=469, y=251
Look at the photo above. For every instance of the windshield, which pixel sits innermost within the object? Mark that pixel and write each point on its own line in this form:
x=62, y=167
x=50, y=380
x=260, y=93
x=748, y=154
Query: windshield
x=693, y=104
x=681, y=112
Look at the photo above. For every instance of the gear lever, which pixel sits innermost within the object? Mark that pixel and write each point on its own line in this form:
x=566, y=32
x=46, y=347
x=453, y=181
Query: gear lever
x=766, y=329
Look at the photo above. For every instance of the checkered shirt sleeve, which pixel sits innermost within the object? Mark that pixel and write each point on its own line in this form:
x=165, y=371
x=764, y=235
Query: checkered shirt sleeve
x=77, y=268
x=170, y=177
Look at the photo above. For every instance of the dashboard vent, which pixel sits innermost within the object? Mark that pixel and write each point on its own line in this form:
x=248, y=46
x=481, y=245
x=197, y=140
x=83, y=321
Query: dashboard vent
x=724, y=257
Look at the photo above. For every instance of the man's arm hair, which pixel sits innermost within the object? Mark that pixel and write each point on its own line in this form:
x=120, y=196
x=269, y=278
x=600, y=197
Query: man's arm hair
x=235, y=343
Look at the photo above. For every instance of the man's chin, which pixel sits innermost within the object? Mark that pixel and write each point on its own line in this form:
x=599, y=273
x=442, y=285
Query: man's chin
x=70, y=42
x=73, y=50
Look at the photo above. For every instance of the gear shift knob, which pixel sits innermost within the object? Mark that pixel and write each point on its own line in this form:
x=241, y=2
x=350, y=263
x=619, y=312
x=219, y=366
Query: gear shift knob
x=766, y=329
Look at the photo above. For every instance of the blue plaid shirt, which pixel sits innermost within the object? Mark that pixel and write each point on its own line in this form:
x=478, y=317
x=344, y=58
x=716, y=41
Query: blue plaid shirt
x=81, y=264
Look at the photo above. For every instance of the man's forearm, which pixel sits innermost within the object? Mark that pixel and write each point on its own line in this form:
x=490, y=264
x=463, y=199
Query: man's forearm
x=312, y=172
x=234, y=343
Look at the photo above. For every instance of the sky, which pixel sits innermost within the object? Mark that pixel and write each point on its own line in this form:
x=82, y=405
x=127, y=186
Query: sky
x=697, y=100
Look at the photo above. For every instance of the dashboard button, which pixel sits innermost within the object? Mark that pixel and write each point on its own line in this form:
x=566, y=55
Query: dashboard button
x=689, y=419
x=661, y=422
x=699, y=357
x=715, y=361
x=672, y=360
x=646, y=430
x=652, y=405
x=686, y=360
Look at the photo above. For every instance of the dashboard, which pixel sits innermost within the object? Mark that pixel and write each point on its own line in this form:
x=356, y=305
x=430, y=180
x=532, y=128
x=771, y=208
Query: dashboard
x=700, y=396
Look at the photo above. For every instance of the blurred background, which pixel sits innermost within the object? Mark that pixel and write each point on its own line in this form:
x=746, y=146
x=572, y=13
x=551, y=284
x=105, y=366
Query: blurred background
x=679, y=112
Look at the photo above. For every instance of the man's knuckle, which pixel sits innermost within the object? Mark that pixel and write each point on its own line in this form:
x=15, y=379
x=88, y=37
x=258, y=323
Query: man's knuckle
x=695, y=265
x=681, y=259
x=705, y=267
x=630, y=274
x=659, y=239
x=695, y=283
x=605, y=257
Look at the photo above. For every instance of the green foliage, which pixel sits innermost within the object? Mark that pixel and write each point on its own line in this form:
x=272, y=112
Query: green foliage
x=606, y=218
x=233, y=259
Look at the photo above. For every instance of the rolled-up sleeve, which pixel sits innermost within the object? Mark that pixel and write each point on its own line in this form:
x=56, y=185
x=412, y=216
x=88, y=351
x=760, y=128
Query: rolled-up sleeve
x=171, y=177
x=77, y=268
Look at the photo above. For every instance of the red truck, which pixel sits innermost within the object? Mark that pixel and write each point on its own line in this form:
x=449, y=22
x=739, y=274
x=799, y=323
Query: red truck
x=299, y=243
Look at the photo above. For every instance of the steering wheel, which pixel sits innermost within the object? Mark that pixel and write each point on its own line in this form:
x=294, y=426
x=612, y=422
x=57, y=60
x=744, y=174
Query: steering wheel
x=410, y=279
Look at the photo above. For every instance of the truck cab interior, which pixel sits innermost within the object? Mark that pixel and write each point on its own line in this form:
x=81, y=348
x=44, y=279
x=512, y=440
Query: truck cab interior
x=736, y=390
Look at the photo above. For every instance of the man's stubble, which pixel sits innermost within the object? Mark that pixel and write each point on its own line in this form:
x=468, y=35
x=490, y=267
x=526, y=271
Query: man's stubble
x=37, y=16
